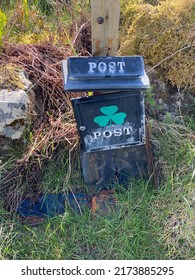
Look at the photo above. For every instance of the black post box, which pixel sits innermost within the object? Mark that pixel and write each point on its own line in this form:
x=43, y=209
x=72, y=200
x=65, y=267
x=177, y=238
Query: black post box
x=111, y=125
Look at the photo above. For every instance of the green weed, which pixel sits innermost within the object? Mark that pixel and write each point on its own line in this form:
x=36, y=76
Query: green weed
x=26, y=11
x=151, y=102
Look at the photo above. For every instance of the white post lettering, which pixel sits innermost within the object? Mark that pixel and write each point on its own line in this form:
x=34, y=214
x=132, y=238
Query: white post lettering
x=117, y=132
x=102, y=67
x=107, y=134
x=96, y=135
x=128, y=130
x=121, y=65
x=112, y=67
x=92, y=65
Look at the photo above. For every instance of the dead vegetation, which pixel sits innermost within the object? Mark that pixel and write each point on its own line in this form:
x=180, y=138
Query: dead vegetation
x=54, y=126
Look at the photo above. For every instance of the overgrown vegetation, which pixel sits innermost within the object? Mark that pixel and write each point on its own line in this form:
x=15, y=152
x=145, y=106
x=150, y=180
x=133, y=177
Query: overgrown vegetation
x=164, y=35
x=54, y=125
x=147, y=223
x=57, y=22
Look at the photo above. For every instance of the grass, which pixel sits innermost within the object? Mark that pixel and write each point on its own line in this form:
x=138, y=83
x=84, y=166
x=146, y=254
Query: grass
x=147, y=224
x=122, y=236
x=30, y=22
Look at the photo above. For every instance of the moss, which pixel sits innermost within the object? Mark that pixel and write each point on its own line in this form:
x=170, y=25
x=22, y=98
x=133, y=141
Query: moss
x=162, y=33
x=10, y=77
x=42, y=38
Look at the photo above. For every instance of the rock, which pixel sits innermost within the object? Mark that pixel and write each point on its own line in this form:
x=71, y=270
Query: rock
x=17, y=101
x=163, y=102
x=13, y=112
x=156, y=81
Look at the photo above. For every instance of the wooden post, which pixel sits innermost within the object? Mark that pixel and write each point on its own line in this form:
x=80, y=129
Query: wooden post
x=105, y=15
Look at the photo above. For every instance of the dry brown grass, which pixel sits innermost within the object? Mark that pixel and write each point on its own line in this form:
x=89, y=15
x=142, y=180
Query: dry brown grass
x=54, y=125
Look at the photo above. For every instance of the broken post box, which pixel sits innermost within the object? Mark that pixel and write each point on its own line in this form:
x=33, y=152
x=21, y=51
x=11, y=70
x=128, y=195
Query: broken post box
x=111, y=125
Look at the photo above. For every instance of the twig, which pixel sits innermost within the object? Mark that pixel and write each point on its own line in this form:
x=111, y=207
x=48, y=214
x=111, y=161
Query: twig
x=79, y=31
x=79, y=207
x=69, y=166
x=170, y=56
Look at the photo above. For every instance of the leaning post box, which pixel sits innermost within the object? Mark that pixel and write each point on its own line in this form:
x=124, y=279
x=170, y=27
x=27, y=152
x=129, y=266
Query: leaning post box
x=111, y=125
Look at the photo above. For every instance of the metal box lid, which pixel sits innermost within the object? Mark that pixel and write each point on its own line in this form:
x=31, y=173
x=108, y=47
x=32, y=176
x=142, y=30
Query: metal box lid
x=116, y=120
x=104, y=73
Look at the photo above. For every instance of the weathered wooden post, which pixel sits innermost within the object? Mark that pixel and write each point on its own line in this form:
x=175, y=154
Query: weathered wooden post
x=111, y=125
x=105, y=16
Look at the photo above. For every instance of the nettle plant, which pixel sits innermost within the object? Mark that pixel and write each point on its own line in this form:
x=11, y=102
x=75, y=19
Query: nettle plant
x=110, y=116
x=150, y=100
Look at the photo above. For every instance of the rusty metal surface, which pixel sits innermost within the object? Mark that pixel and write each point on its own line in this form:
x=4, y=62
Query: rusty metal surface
x=150, y=159
x=103, y=168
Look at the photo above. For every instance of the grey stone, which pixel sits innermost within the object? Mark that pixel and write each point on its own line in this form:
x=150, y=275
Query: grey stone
x=16, y=106
x=157, y=82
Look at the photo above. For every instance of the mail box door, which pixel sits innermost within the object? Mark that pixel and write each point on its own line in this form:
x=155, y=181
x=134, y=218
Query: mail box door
x=111, y=120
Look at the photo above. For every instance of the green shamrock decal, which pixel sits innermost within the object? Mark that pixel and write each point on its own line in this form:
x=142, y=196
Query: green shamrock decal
x=110, y=116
